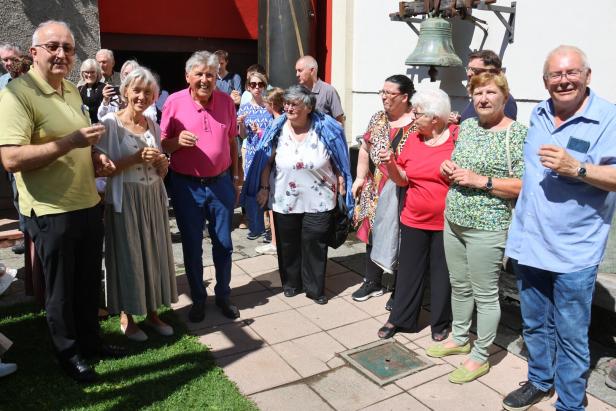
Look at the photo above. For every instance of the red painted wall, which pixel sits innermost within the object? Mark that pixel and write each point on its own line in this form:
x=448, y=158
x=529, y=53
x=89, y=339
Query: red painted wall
x=230, y=19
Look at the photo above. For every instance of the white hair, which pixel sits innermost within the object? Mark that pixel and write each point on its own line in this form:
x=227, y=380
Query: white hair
x=201, y=58
x=434, y=102
x=309, y=61
x=11, y=47
x=35, y=35
x=564, y=49
x=143, y=74
x=108, y=52
x=90, y=64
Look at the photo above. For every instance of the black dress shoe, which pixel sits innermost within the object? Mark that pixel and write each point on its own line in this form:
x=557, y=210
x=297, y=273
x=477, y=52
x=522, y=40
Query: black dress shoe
x=77, y=368
x=19, y=248
x=228, y=309
x=291, y=292
x=197, y=312
x=322, y=300
x=442, y=336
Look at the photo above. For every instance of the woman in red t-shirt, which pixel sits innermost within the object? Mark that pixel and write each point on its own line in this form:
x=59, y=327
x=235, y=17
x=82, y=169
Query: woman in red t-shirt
x=422, y=217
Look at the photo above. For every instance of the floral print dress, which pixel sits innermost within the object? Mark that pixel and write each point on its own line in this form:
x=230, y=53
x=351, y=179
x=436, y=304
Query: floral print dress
x=260, y=116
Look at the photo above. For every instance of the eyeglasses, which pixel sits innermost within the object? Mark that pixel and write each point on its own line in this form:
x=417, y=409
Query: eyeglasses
x=90, y=72
x=477, y=70
x=255, y=84
x=54, y=48
x=419, y=115
x=555, y=77
x=388, y=93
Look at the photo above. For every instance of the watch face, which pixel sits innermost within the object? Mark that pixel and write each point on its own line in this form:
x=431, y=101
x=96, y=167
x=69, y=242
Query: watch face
x=582, y=172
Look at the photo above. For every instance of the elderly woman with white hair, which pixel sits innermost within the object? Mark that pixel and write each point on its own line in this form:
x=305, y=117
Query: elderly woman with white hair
x=91, y=87
x=421, y=219
x=138, y=256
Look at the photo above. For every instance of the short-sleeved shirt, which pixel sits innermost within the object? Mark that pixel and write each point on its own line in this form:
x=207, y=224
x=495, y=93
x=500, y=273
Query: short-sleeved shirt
x=214, y=125
x=424, y=203
x=254, y=114
x=485, y=153
x=33, y=112
x=229, y=83
x=511, y=110
x=561, y=224
x=328, y=101
x=303, y=180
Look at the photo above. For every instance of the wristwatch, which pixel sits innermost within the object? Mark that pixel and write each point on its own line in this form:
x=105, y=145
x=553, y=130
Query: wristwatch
x=489, y=186
x=581, y=171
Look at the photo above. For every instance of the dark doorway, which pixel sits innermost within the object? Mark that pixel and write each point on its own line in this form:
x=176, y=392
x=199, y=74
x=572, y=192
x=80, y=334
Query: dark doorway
x=167, y=55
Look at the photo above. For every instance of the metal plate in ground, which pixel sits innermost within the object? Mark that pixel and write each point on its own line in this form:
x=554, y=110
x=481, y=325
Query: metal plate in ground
x=386, y=361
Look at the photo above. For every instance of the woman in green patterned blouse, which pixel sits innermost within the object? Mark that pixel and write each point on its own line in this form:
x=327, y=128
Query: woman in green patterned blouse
x=484, y=172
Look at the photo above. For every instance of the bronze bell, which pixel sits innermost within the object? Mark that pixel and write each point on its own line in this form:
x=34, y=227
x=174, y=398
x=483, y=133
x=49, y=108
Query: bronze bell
x=434, y=46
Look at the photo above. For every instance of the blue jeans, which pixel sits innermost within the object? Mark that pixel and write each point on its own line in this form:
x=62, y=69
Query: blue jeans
x=256, y=223
x=556, y=316
x=194, y=203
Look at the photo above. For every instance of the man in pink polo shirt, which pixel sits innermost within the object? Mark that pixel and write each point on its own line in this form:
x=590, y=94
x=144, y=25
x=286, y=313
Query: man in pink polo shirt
x=198, y=128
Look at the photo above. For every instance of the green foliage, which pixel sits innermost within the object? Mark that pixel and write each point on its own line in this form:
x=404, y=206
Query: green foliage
x=164, y=373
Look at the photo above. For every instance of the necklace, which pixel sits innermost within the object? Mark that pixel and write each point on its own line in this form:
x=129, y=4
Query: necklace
x=297, y=143
x=434, y=140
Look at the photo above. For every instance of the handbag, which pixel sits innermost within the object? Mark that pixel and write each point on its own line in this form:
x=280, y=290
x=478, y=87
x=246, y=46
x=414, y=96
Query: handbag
x=341, y=224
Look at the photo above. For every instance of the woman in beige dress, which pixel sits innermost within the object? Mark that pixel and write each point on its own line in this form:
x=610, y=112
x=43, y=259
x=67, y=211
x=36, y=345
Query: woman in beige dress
x=138, y=254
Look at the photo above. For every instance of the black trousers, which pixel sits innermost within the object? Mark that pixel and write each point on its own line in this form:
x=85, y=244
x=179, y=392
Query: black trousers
x=301, y=242
x=69, y=246
x=420, y=250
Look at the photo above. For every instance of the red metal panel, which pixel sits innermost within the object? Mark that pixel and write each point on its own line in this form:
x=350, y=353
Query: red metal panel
x=231, y=19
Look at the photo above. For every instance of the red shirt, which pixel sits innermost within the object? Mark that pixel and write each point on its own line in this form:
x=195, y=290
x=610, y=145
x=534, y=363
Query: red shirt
x=214, y=125
x=424, y=204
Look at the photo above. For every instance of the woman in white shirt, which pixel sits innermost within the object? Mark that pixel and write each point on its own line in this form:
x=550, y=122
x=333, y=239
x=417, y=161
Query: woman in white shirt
x=301, y=185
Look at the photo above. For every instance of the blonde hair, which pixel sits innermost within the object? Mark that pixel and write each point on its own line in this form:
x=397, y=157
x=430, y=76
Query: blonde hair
x=258, y=75
x=90, y=64
x=484, y=79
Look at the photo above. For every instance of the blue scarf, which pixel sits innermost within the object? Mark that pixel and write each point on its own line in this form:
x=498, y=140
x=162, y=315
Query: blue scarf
x=331, y=135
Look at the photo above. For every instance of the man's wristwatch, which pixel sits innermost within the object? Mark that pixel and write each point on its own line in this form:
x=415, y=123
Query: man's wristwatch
x=489, y=186
x=581, y=171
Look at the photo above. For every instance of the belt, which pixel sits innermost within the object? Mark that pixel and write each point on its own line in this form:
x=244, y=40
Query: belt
x=203, y=180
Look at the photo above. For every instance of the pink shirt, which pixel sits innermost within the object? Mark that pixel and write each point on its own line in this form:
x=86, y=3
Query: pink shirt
x=214, y=126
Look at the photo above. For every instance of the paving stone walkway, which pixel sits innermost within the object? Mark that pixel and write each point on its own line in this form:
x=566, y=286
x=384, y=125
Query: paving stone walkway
x=284, y=352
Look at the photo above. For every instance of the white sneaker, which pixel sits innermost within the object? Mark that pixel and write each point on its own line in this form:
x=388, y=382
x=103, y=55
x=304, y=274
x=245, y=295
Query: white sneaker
x=268, y=249
x=7, y=368
x=6, y=279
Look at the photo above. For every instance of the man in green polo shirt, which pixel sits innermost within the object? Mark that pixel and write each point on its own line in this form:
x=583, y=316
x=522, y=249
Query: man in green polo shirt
x=46, y=139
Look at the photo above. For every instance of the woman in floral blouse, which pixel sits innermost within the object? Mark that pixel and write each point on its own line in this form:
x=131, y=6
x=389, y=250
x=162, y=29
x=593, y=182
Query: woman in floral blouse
x=389, y=127
x=484, y=173
x=307, y=166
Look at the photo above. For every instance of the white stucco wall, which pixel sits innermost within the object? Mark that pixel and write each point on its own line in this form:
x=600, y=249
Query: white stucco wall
x=368, y=47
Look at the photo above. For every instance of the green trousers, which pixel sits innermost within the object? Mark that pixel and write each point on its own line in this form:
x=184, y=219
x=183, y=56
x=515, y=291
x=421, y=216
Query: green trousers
x=474, y=258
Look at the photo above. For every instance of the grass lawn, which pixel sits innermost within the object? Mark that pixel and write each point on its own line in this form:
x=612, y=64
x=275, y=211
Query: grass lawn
x=164, y=373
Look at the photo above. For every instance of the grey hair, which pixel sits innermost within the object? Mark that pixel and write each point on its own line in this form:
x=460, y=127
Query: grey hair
x=133, y=63
x=434, y=102
x=13, y=47
x=108, y=52
x=300, y=93
x=200, y=58
x=35, y=35
x=564, y=49
x=90, y=64
x=309, y=61
x=143, y=74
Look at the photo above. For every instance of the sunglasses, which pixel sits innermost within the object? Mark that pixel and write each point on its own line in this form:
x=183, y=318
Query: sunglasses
x=255, y=84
